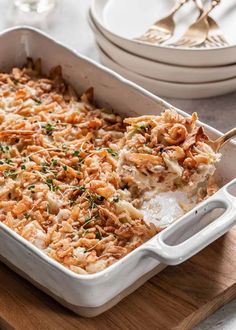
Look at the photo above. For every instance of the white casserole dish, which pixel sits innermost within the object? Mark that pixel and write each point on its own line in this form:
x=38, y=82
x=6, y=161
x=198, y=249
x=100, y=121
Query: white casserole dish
x=89, y=295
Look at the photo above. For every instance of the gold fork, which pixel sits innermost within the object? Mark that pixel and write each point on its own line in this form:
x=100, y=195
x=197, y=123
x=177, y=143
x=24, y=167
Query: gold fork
x=197, y=33
x=163, y=29
x=215, y=37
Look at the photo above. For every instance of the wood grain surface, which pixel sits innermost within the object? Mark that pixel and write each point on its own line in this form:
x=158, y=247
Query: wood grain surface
x=177, y=298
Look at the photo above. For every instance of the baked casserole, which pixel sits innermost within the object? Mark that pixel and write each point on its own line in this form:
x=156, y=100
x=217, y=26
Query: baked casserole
x=74, y=177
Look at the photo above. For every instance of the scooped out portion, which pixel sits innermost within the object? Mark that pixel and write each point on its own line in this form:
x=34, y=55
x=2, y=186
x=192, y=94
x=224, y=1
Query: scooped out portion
x=165, y=152
x=167, y=165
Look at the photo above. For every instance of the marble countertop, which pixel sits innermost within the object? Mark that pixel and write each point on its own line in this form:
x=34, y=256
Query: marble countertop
x=68, y=23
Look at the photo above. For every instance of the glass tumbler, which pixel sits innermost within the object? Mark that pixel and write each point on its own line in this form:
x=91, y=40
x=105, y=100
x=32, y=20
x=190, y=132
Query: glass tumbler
x=36, y=6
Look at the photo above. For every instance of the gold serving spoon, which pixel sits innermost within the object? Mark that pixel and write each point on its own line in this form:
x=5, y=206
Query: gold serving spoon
x=218, y=143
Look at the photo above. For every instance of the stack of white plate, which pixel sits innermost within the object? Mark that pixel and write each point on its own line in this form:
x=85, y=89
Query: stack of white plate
x=162, y=69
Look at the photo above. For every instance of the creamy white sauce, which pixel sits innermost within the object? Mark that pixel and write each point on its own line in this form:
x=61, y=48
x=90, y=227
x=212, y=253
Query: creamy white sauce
x=164, y=208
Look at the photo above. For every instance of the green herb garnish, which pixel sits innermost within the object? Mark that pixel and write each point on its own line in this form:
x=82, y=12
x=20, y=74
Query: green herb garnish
x=98, y=235
x=49, y=129
x=92, y=204
x=76, y=153
x=10, y=173
x=14, y=81
x=37, y=101
x=54, y=162
x=4, y=148
x=88, y=219
x=8, y=161
x=72, y=202
x=100, y=198
x=116, y=199
x=112, y=152
x=82, y=188
x=31, y=187
x=49, y=182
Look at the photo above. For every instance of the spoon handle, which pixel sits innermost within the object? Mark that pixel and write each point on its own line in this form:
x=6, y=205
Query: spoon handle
x=224, y=138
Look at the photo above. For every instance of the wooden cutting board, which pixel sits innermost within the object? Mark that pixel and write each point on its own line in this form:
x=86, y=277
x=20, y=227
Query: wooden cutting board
x=177, y=298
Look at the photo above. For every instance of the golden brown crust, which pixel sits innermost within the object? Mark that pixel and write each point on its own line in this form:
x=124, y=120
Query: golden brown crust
x=58, y=183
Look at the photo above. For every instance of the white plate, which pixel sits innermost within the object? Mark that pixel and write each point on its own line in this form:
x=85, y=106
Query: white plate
x=169, y=89
x=161, y=71
x=137, y=15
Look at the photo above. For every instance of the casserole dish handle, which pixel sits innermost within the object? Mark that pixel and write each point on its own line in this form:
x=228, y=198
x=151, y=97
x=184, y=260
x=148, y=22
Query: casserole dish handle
x=165, y=246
